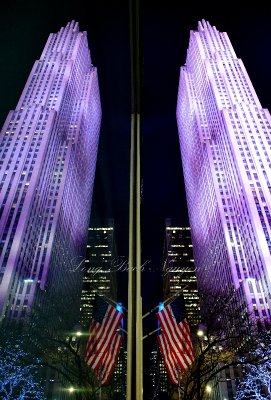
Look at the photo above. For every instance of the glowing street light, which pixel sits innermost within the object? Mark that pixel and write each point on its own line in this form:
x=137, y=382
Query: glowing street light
x=200, y=333
x=71, y=389
x=208, y=389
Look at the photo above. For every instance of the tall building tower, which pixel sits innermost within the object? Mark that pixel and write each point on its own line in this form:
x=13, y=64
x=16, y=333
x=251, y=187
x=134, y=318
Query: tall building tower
x=178, y=278
x=48, y=150
x=179, y=268
x=225, y=140
x=158, y=376
x=100, y=277
x=99, y=267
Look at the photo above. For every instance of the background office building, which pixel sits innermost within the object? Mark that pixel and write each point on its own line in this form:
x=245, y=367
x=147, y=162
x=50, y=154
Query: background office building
x=179, y=268
x=48, y=150
x=225, y=141
x=98, y=267
x=178, y=278
x=100, y=277
x=158, y=376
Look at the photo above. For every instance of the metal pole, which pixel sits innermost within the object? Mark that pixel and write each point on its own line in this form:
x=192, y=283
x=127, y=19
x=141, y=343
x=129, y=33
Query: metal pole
x=134, y=331
x=179, y=384
x=130, y=315
x=100, y=383
x=139, y=328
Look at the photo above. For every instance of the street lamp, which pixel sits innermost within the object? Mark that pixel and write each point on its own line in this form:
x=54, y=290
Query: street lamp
x=200, y=333
x=76, y=332
x=208, y=388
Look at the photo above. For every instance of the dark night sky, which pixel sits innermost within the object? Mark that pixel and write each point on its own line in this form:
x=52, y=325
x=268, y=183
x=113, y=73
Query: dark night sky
x=24, y=28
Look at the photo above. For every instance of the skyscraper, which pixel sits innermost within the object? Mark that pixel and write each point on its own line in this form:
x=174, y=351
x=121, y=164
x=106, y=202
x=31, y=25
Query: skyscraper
x=225, y=140
x=99, y=268
x=178, y=278
x=48, y=150
x=179, y=268
x=100, y=277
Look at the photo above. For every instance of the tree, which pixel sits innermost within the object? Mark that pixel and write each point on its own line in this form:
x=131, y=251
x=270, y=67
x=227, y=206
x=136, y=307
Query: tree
x=59, y=343
x=18, y=379
x=54, y=346
x=256, y=382
x=227, y=338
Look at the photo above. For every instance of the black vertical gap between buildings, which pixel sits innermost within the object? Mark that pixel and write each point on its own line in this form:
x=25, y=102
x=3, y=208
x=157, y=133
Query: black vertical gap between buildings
x=135, y=57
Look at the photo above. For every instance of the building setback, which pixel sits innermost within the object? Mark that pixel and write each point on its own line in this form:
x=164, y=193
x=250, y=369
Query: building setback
x=225, y=141
x=48, y=150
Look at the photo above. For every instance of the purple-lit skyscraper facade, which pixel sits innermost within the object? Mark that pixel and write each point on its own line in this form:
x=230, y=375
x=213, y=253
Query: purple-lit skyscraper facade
x=48, y=150
x=225, y=140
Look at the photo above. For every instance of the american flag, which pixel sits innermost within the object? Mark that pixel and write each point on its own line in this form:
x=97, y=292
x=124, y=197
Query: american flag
x=104, y=340
x=175, y=341
x=169, y=359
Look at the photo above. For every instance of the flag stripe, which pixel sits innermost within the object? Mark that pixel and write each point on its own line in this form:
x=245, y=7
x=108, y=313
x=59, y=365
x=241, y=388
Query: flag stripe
x=184, y=338
x=173, y=345
x=93, y=330
x=173, y=338
x=104, y=341
x=99, y=329
x=180, y=334
x=169, y=359
x=175, y=341
x=111, y=358
x=108, y=330
x=185, y=331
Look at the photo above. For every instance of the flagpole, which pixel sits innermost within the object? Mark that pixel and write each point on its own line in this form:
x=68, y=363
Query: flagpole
x=100, y=383
x=174, y=296
x=166, y=302
x=134, y=319
x=151, y=333
x=179, y=384
x=108, y=299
